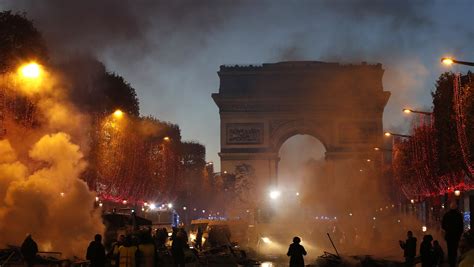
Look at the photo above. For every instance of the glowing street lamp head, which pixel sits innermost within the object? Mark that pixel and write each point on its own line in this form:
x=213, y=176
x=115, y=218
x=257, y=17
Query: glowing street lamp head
x=167, y=138
x=118, y=114
x=31, y=70
x=275, y=194
x=376, y=148
x=457, y=193
x=407, y=111
x=447, y=60
x=170, y=205
x=266, y=240
x=387, y=134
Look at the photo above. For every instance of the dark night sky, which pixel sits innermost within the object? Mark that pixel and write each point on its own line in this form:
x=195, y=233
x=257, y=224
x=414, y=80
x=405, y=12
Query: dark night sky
x=170, y=50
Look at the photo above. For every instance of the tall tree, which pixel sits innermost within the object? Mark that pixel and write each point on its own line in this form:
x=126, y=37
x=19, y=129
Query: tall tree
x=196, y=182
x=449, y=151
x=95, y=90
x=20, y=41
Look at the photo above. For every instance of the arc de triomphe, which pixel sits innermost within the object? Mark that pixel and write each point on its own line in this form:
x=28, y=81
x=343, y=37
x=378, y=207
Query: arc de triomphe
x=262, y=106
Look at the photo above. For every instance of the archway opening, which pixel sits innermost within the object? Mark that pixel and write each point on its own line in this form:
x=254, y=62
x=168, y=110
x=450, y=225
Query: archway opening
x=298, y=154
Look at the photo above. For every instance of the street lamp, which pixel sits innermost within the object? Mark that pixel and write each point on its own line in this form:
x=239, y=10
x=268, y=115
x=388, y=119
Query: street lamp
x=382, y=149
x=31, y=70
x=118, y=114
x=167, y=138
x=408, y=111
x=274, y=194
x=395, y=134
x=450, y=61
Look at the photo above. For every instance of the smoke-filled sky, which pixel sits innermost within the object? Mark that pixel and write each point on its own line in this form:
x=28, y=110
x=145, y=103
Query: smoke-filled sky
x=170, y=50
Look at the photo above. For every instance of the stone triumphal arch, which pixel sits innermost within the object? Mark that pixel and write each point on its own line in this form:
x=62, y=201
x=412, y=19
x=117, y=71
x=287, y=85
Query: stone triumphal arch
x=261, y=106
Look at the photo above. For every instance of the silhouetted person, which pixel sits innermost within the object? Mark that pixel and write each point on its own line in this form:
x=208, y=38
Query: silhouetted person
x=409, y=249
x=96, y=252
x=114, y=251
x=453, y=226
x=466, y=247
x=161, y=238
x=198, y=240
x=147, y=251
x=184, y=235
x=426, y=252
x=128, y=253
x=174, y=231
x=177, y=249
x=29, y=249
x=296, y=253
x=438, y=253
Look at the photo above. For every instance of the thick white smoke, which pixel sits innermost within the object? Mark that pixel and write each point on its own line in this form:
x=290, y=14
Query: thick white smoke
x=41, y=160
x=355, y=209
x=51, y=202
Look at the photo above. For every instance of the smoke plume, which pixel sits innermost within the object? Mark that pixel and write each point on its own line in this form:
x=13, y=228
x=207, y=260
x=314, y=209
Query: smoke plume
x=168, y=50
x=50, y=202
x=355, y=208
x=41, y=191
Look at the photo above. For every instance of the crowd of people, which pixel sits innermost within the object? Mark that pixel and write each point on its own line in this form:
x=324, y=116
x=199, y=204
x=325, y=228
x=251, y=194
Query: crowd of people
x=144, y=249
x=141, y=250
x=432, y=255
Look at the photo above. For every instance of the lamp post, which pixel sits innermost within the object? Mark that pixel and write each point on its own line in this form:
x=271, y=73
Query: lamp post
x=388, y=134
x=408, y=111
x=382, y=149
x=274, y=194
x=450, y=61
x=30, y=70
x=31, y=73
x=118, y=114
